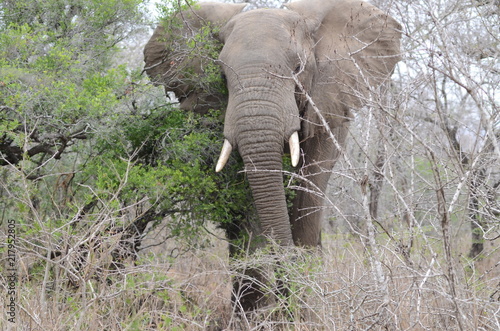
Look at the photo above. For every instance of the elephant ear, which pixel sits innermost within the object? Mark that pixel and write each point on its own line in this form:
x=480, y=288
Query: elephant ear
x=180, y=55
x=357, y=48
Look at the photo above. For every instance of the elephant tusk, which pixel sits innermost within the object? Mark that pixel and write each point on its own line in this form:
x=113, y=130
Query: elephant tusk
x=224, y=155
x=294, y=148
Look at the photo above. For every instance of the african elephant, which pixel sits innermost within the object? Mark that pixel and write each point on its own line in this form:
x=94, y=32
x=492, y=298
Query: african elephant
x=293, y=75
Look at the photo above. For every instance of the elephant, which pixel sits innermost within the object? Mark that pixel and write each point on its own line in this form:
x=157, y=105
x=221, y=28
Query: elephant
x=293, y=77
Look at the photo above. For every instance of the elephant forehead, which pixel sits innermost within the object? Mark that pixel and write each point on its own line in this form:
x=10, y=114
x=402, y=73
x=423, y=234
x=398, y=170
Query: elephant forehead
x=256, y=25
x=248, y=39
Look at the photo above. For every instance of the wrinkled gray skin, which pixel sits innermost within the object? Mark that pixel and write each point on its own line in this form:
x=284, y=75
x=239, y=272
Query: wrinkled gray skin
x=340, y=49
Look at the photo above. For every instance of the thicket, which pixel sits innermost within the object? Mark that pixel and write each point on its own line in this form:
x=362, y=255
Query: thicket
x=82, y=133
x=108, y=183
x=93, y=157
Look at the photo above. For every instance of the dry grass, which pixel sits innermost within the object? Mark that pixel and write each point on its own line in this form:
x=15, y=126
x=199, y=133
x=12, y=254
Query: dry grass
x=335, y=291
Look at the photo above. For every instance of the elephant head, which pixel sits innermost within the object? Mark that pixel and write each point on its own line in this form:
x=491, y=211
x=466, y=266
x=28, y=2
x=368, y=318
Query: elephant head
x=336, y=51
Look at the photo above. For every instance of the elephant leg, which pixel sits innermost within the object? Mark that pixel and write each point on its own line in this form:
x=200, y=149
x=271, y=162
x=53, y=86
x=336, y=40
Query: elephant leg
x=310, y=202
x=248, y=293
x=245, y=237
x=251, y=285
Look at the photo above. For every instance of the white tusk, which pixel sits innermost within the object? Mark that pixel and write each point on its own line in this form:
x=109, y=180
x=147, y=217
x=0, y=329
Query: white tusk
x=294, y=148
x=224, y=155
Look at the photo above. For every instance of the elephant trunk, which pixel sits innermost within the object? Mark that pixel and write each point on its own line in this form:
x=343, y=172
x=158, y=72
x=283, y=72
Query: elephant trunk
x=262, y=150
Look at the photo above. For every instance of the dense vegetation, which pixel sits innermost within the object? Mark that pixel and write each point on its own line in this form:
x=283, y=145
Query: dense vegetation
x=92, y=135
x=92, y=155
x=97, y=168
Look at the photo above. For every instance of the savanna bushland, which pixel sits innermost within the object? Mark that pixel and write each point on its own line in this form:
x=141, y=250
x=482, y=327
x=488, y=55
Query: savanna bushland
x=112, y=213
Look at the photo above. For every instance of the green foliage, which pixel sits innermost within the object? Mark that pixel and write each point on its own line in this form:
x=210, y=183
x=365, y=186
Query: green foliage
x=79, y=22
x=205, y=45
x=167, y=157
x=57, y=76
x=168, y=8
x=84, y=143
x=194, y=55
x=58, y=87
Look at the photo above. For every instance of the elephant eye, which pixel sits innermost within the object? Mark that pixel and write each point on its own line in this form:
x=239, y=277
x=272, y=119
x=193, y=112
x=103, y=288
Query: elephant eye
x=223, y=77
x=297, y=69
